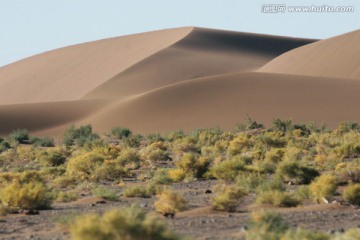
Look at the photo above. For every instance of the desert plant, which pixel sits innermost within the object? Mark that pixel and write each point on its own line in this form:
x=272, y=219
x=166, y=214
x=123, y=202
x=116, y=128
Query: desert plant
x=29, y=196
x=121, y=224
x=177, y=175
x=249, y=124
x=42, y=142
x=281, y=125
x=350, y=234
x=193, y=165
x=323, y=187
x=227, y=197
x=239, y=144
x=120, y=132
x=67, y=196
x=53, y=157
x=301, y=234
x=169, y=202
x=266, y=225
x=277, y=198
x=228, y=170
x=19, y=135
x=140, y=191
x=79, y=136
x=250, y=181
x=106, y=193
x=293, y=171
x=352, y=194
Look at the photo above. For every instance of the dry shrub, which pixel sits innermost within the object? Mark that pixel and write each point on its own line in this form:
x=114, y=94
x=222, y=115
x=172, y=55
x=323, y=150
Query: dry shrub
x=227, y=197
x=170, y=202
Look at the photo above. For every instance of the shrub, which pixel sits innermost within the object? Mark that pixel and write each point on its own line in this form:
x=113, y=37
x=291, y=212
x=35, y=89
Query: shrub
x=293, y=171
x=29, y=196
x=238, y=144
x=22, y=177
x=352, y=194
x=228, y=170
x=266, y=225
x=140, y=191
x=161, y=176
x=19, y=135
x=277, y=198
x=79, y=136
x=301, y=234
x=122, y=224
x=177, y=175
x=120, y=132
x=42, y=142
x=4, y=145
x=345, y=127
x=129, y=158
x=154, y=153
x=68, y=196
x=53, y=157
x=281, y=125
x=106, y=193
x=134, y=140
x=193, y=165
x=94, y=166
x=349, y=172
x=169, y=202
x=227, y=197
x=250, y=181
x=323, y=187
x=250, y=124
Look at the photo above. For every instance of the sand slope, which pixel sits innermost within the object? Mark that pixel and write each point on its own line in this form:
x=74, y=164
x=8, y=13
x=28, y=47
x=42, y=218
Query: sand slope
x=182, y=78
x=334, y=57
x=69, y=73
x=228, y=99
x=203, y=52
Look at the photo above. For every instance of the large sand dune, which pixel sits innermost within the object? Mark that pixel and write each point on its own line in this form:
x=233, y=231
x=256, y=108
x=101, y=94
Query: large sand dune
x=182, y=78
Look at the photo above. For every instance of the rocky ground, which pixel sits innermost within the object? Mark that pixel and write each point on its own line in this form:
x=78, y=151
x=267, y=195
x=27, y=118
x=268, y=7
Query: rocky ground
x=198, y=222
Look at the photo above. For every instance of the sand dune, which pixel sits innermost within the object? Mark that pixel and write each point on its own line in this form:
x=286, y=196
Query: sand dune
x=225, y=100
x=182, y=78
x=203, y=52
x=334, y=57
x=69, y=73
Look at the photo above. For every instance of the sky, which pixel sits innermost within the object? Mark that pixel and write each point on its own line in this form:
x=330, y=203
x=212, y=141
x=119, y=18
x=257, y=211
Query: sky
x=29, y=27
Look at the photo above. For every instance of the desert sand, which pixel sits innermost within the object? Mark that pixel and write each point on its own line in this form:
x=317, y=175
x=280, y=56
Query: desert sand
x=183, y=78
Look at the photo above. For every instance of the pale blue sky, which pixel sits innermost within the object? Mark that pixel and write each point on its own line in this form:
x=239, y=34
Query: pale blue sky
x=28, y=27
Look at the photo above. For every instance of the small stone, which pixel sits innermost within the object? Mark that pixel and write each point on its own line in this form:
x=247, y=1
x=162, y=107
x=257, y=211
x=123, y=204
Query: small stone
x=143, y=205
x=208, y=191
x=100, y=202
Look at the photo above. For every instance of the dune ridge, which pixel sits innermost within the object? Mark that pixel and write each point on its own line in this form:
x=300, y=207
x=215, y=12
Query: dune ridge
x=333, y=57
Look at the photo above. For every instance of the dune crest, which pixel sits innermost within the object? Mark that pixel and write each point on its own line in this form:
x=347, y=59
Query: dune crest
x=333, y=57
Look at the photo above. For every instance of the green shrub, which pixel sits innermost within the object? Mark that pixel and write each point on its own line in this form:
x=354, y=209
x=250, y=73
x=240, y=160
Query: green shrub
x=350, y=234
x=227, y=197
x=323, y=187
x=169, y=202
x=79, y=136
x=349, y=172
x=193, y=165
x=140, y=191
x=121, y=224
x=250, y=124
x=4, y=145
x=228, y=170
x=250, y=181
x=28, y=196
x=266, y=225
x=352, y=194
x=106, y=193
x=42, y=142
x=277, y=198
x=19, y=135
x=281, y=125
x=53, y=157
x=120, y=132
x=134, y=140
x=293, y=171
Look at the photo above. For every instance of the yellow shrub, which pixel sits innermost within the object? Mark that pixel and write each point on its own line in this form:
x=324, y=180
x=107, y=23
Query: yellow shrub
x=323, y=187
x=238, y=144
x=170, y=202
x=352, y=194
x=277, y=198
x=177, y=175
x=227, y=197
x=34, y=195
x=121, y=224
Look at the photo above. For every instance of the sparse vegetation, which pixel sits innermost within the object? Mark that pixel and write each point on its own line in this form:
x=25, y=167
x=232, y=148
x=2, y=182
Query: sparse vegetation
x=283, y=166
